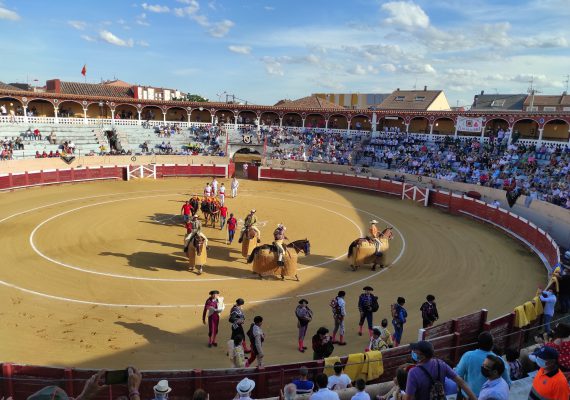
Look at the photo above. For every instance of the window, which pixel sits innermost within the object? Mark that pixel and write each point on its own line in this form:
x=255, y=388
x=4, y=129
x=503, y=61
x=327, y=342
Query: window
x=549, y=109
x=420, y=98
x=498, y=103
x=400, y=98
x=534, y=108
x=566, y=109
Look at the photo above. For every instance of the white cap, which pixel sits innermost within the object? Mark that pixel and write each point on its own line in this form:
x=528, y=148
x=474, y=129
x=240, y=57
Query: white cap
x=245, y=386
x=162, y=387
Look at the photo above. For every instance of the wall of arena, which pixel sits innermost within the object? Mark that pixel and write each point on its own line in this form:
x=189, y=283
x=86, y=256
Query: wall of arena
x=451, y=338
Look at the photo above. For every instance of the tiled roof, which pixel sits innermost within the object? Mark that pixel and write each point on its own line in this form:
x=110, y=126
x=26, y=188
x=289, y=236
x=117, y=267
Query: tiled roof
x=309, y=102
x=548, y=100
x=5, y=86
x=117, y=82
x=512, y=102
x=90, y=89
x=409, y=100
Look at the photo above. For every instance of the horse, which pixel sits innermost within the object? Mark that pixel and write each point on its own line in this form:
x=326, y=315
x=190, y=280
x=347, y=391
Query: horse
x=249, y=242
x=264, y=259
x=194, y=204
x=362, y=250
x=214, y=213
x=197, y=254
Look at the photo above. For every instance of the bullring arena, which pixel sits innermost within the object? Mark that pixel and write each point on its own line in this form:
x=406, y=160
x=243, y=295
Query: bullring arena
x=95, y=275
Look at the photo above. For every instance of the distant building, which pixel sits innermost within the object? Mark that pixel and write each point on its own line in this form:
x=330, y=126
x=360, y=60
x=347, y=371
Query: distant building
x=354, y=100
x=498, y=102
x=416, y=100
x=313, y=101
x=547, y=103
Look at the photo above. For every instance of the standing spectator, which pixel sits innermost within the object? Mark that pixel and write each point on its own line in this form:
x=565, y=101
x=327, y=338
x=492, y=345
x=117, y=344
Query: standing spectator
x=232, y=225
x=429, y=374
x=429, y=311
x=469, y=367
x=235, y=352
x=223, y=215
x=244, y=389
x=161, y=390
x=303, y=384
x=324, y=393
x=212, y=308
x=549, y=299
x=200, y=394
x=237, y=319
x=256, y=337
x=338, y=306
x=495, y=388
x=549, y=382
x=361, y=394
x=399, y=315
x=304, y=316
x=234, y=186
x=186, y=210
x=366, y=305
x=245, y=166
x=322, y=344
x=3, y=110
x=339, y=380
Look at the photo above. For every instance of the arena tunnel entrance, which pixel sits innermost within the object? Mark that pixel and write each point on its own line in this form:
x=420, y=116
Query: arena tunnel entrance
x=245, y=156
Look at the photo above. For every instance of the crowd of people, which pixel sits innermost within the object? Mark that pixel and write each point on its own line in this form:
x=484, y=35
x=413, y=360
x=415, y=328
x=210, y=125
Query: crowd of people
x=538, y=172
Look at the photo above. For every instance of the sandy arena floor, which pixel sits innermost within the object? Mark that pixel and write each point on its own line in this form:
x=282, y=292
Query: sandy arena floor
x=93, y=275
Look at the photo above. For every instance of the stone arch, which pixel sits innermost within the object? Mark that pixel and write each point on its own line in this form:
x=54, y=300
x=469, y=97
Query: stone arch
x=99, y=109
x=361, y=122
x=338, y=121
x=315, y=120
x=126, y=111
x=200, y=115
x=389, y=122
x=224, y=116
x=176, y=114
x=526, y=128
x=269, y=118
x=247, y=117
x=444, y=126
x=493, y=125
x=419, y=125
x=292, y=119
x=556, y=129
x=70, y=109
x=12, y=104
x=151, y=113
x=41, y=108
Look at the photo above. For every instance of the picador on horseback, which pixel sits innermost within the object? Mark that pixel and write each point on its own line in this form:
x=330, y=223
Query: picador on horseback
x=250, y=223
x=279, y=236
x=196, y=230
x=375, y=236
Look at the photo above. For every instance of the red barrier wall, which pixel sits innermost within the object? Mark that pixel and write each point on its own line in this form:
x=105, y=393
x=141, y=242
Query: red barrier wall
x=173, y=170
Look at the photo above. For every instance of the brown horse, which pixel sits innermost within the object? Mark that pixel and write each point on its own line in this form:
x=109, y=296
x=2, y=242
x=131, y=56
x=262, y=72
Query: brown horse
x=264, y=259
x=362, y=251
x=194, y=204
x=249, y=242
x=197, y=254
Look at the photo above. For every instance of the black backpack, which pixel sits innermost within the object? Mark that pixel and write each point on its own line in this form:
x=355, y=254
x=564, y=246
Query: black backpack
x=375, y=306
x=436, y=388
x=250, y=335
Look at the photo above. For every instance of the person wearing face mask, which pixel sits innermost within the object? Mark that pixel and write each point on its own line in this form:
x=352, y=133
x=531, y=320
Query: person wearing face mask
x=549, y=382
x=429, y=374
x=495, y=388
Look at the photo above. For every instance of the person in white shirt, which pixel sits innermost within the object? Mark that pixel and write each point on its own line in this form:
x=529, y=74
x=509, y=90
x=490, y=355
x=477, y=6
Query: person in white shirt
x=215, y=187
x=361, y=394
x=222, y=194
x=208, y=190
x=324, y=393
x=338, y=380
x=245, y=166
x=234, y=187
x=3, y=110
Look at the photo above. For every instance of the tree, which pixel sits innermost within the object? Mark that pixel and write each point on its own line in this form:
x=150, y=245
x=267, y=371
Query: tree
x=196, y=97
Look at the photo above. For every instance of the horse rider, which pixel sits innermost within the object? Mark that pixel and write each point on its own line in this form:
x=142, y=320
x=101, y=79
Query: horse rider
x=250, y=223
x=375, y=235
x=279, y=236
x=196, y=230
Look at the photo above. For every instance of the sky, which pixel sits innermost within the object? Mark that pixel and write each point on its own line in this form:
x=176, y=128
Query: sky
x=262, y=51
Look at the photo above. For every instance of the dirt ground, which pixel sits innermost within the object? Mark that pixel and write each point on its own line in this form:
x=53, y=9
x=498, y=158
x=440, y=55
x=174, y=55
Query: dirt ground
x=93, y=275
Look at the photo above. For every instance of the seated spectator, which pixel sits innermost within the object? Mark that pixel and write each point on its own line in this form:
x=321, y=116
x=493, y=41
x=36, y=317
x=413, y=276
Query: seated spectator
x=244, y=389
x=549, y=382
x=289, y=392
x=161, y=390
x=515, y=367
x=324, y=393
x=52, y=138
x=38, y=155
x=400, y=382
x=339, y=380
x=200, y=394
x=361, y=394
x=303, y=384
x=561, y=343
x=37, y=135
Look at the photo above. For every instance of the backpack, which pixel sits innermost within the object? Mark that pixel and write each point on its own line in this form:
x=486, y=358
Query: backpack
x=394, y=311
x=375, y=306
x=436, y=388
x=335, y=306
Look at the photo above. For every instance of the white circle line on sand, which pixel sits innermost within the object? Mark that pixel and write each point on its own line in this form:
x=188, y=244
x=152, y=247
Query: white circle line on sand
x=76, y=268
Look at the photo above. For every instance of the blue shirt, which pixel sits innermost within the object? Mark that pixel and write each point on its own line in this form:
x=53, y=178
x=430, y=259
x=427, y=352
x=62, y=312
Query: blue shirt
x=304, y=386
x=549, y=302
x=496, y=389
x=469, y=368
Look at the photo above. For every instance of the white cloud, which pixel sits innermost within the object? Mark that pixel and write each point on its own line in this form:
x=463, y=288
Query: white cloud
x=141, y=20
x=544, y=42
x=110, y=38
x=419, y=69
x=79, y=25
x=88, y=38
x=221, y=29
x=8, y=14
x=143, y=43
x=272, y=66
x=155, y=8
x=406, y=14
x=363, y=70
x=388, y=67
x=192, y=8
x=240, y=49
x=268, y=8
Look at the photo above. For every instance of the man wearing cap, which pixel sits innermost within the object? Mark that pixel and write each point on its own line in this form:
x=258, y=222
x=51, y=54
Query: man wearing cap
x=196, y=230
x=161, y=390
x=304, y=316
x=375, y=235
x=237, y=319
x=549, y=382
x=429, y=371
x=278, y=237
x=250, y=222
x=469, y=367
x=213, y=307
x=244, y=389
x=365, y=302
